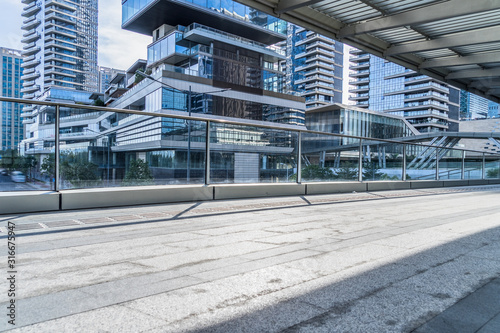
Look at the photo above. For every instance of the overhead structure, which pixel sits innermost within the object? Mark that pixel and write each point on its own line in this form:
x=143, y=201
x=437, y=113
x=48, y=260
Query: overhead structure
x=456, y=41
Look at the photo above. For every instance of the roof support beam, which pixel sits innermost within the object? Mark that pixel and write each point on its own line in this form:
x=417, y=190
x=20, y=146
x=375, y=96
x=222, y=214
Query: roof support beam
x=288, y=5
x=487, y=35
x=440, y=11
x=474, y=73
x=483, y=58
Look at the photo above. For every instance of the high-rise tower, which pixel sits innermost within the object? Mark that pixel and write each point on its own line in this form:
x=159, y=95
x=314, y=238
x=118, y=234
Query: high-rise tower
x=11, y=130
x=60, y=46
x=314, y=66
x=428, y=104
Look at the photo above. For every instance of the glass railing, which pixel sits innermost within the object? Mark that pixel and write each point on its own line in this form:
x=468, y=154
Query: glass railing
x=78, y=146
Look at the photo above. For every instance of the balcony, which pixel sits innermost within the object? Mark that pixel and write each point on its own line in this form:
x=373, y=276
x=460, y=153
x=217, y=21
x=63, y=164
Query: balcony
x=30, y=90
x=61, y=45
x=30, y=77
x=61, y=31
x=28, y=121
x=30, y=24
x=29, y=64
x=359, y=90
x=30, y=51
x=361, y=73
x=31, y=36
x=61, y=18
x=361, y=58
x=31, y=10
x=62, y=4
x=359, y=81
x=360, y=66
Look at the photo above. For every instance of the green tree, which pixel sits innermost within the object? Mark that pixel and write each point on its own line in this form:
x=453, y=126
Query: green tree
x=81, y=173
x=315, y=172
x=99, y=102
x=347, y=171
x=493, y=173
x=48, y=165
x=138, y=173
x=371, y=170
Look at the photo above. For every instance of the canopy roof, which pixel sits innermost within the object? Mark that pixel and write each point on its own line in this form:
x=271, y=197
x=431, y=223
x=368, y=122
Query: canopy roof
x=456, y=41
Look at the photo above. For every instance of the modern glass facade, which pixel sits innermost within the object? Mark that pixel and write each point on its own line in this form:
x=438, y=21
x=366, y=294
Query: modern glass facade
x=379, y=85
x=11, y=130
x=314, y=67
x=228, y=8
x=232, y=49
x=472, y=106
x=342, y=119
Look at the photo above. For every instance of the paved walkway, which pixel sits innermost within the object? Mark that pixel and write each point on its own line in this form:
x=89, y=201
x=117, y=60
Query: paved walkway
x=393, y=261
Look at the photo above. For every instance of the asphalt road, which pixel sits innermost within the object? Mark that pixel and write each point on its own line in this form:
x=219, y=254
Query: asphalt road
x=6, y=184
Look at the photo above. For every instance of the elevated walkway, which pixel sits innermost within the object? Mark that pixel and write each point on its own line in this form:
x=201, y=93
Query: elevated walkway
x=414, y=260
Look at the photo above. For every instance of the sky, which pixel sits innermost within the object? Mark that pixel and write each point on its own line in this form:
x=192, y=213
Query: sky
x=117, y=48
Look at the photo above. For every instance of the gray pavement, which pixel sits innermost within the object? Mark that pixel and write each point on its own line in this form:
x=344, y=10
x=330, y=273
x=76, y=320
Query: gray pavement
x=393, y=261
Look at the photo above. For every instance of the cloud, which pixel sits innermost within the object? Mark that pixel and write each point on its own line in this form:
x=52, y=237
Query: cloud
x=118, y=48
x=10, y=24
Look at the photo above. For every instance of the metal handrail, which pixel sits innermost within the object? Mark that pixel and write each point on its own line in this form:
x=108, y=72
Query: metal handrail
x=293, y=128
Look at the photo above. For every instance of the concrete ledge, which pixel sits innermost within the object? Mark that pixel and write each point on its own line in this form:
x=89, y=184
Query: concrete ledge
x=478, y=182
x=493, y=181
x=235, y=191
x=455, y=182
x=426, y=183
x=28, y=202
x=387, y=185
x=334, y=187
x=127, y=196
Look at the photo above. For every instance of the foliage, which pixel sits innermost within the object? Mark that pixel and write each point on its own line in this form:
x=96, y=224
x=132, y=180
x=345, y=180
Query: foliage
x=75, y=168
x=81, y=174
x=371, y=170
x=315, y=172
x=48, y=165
x=138, y=173
x=11, y=160
x=347, y=171
x=493, y=173
x=99, y=102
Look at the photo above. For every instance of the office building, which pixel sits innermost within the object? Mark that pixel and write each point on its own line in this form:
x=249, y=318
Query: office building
x=314, y=66
x=11, y=130
x=60, y=46
x=472, y=106
x=428, y=104
x=492, y=110
x=105, y=76
x=213, y=46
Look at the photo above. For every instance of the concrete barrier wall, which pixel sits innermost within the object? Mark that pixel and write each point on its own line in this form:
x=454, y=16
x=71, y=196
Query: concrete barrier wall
x=113, y=197
x=235, y=191
x=26, y=202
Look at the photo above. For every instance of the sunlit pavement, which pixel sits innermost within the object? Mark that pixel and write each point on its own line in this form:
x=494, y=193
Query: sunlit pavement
x=393, y=261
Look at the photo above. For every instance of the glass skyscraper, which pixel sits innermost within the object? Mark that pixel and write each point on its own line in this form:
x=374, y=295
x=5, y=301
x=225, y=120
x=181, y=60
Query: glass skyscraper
x=379, y=85
x=60, y=46
x=11, y=130
x=314, y=67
